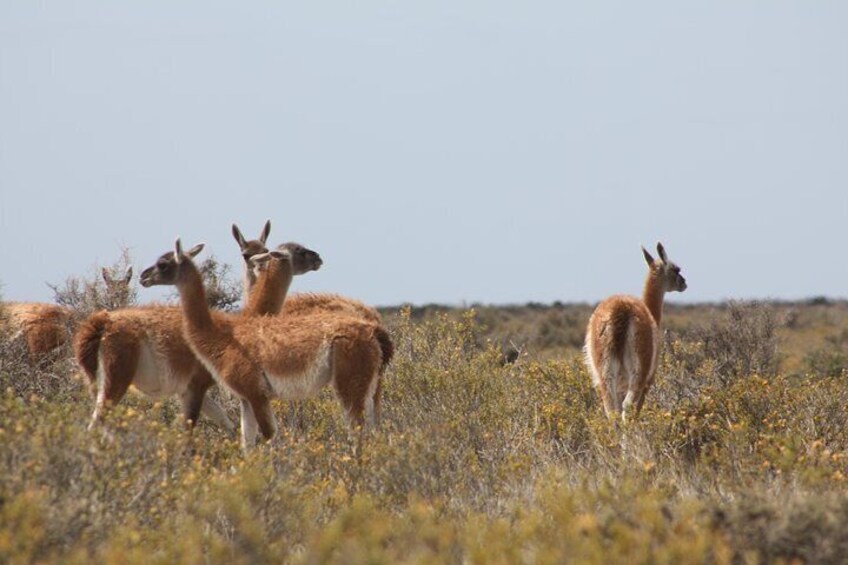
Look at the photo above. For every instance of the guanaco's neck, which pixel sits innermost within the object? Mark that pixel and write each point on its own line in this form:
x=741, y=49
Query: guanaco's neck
x=654, y=294
x=269, y=293
x=193, y=299
x=249, y=281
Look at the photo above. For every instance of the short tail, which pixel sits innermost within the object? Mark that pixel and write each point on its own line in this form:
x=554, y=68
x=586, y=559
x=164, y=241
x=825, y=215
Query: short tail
x=87, y=343
x=386, y=347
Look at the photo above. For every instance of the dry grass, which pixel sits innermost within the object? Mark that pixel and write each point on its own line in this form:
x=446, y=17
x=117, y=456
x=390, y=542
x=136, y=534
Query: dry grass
x=477, y=461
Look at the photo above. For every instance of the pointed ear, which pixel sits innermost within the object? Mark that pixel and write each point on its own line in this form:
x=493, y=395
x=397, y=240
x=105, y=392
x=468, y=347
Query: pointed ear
x=128, y=275
x=105, y=274
x=260, y=258
x=661, y=251
x=178, y=251
x=239, y=237
x=648, y=258
x=266, y=231
x=281, y=254
x=195, y=250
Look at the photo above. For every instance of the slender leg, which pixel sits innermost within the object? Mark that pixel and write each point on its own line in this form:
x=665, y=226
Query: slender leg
x=374, y=414
x=248, y=426
x=110, y=395
x=115, y=372
x=215, y=412
x=354, y=409
x=264, y=417
x=641, y=400
x=626, y=407
x=192, y=400
x=355, y=368
x=608, y=402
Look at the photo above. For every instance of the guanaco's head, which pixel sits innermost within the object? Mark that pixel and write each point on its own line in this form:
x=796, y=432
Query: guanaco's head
x=112, y=282
x=117, y=288
x=303, y=259
x=667, y=270
x=252, y=247
x=168, y=268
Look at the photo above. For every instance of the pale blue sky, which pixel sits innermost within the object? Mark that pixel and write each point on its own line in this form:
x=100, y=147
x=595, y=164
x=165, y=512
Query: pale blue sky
x=438, y=151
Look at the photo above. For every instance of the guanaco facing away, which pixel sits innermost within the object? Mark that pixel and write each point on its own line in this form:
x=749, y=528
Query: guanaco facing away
x=263, y=357
x=299, y=303
x=145, y=347
x=623, y=338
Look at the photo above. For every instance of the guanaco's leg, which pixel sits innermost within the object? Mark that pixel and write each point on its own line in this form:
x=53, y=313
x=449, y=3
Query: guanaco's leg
x=264, y=416
x=376, y=415
x=192, y=400
x=248, y=426
x=215, y=412
x=116, y=368
x=355, y=368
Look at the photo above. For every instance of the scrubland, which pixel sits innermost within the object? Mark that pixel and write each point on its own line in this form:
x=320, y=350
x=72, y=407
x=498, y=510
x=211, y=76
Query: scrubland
x=740, y=456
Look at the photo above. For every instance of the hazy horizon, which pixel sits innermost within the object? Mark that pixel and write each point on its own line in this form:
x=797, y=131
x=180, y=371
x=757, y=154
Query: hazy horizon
x=439, y=152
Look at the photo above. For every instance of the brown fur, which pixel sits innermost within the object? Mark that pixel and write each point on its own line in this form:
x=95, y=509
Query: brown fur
x=303, y=303
x=114, y=343
x=46, y=327
x=87, y=344
x=268, y=294
x=622, y=339
x=298, y=304
x=262, y=357
x=274, y=298
x=43, y=327
x=271, y=288
x=250, y=248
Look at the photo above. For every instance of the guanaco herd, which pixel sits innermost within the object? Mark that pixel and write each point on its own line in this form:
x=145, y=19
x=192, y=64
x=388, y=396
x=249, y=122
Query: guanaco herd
x=290, y=347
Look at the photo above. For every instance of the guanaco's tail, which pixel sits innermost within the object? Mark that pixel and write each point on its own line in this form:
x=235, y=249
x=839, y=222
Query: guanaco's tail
x=87, y=343
x=619, y=325
x=386, y=347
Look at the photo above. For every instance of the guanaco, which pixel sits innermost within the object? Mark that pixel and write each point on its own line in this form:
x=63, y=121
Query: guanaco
x=623, y=338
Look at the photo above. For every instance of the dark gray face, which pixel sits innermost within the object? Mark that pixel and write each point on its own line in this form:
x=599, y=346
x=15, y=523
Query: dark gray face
x=163, y=272
x=303, y=259
x=252, y=247
x=166, y=270
x=674, y=281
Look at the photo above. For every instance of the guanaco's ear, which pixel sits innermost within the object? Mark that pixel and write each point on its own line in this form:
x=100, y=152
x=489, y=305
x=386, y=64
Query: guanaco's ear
x=128, y=275
x=239, y=237
x=648, y=257
x=195, y=250
x=661, y=251
x=178, y=251
x=105, y=273
x=266, y=231
x=260, y=258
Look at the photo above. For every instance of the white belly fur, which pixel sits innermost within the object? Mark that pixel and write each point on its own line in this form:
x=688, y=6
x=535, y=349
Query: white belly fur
x=297, y=386
x=153, y=376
